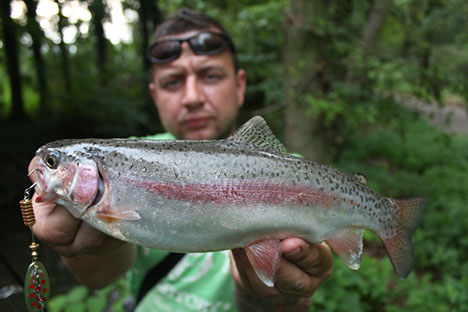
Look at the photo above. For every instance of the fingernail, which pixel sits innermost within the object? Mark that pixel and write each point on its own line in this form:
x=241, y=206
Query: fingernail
x=294, y=253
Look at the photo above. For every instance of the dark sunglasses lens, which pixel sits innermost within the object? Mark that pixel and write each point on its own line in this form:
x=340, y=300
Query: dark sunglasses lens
x=208, y=43
x=165, y=51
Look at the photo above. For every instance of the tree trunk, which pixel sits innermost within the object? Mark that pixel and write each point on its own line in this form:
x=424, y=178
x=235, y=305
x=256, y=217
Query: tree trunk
x=98, y=12
x=149, y=17
x=63, y=51
x=370, y=38
x=11, y=51
x=304, y=72
x=374, y=26
x=36, y=35
x=142, y=14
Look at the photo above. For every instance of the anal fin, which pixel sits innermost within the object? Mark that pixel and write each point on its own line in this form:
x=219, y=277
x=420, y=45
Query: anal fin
x=347, y=244
x=264, y=257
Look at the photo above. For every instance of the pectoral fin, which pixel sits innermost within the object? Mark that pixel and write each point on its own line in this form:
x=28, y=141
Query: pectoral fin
x=112, y=216
x=347, y=244
x=264, y=257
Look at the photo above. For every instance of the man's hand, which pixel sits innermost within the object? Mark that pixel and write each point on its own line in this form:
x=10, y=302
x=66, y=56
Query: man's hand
x=301, y=270
x=96, y=258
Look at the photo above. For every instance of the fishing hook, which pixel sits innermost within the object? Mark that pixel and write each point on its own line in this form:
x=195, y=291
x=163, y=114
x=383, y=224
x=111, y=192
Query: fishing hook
x=34, y=170
x=26, y=191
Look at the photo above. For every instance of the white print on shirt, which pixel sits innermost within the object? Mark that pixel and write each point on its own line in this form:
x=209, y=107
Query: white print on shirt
x=191, y=301
x=188, y=261
x=226, y=268
x=146, y=252
x=206, y=266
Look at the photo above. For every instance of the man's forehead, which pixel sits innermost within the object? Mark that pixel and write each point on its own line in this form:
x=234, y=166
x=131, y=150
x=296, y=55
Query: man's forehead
x=188, y=61
x=196, y=63
x=187, y=33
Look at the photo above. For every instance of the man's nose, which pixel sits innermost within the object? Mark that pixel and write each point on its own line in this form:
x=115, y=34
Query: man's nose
x=193, y=96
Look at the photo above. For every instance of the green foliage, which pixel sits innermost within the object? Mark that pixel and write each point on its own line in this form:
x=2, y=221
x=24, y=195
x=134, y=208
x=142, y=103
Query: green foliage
x=80, y=299
x=375, y=288
x=409, y=157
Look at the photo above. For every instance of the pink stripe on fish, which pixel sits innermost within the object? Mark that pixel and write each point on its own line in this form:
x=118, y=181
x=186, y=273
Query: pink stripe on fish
x=238, y=191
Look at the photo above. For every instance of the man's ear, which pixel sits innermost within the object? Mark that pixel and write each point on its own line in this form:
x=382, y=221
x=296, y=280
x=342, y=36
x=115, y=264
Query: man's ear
x=152, y=90
x=241, y=83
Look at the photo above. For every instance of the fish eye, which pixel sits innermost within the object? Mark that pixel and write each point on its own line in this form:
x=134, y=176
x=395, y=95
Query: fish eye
x=52, y=159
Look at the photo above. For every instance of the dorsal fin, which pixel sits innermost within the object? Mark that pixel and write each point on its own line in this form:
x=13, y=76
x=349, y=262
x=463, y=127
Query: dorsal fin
x=256, y=132
x=360, y=177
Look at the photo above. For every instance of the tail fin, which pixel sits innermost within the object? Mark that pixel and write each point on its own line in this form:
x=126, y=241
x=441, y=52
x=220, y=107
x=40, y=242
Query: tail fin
x=397, y=238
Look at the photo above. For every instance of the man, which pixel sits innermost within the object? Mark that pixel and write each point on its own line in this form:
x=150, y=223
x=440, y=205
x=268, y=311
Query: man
x=198, y=89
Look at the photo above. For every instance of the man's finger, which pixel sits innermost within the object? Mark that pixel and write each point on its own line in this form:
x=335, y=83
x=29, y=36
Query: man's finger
x=314, y=259
x=55, y=224
x=292, y=280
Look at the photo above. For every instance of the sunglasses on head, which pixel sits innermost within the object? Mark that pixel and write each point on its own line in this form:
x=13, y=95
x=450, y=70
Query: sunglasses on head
x=202, y=43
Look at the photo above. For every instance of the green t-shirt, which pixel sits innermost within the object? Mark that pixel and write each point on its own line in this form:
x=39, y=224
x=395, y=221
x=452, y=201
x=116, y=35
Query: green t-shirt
x=199, y=281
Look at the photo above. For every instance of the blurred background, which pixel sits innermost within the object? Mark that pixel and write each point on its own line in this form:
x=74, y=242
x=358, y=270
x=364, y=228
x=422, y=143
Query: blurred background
x=377, y=87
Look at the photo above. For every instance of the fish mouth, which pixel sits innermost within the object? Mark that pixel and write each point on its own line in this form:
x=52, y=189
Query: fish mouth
x=40, y=188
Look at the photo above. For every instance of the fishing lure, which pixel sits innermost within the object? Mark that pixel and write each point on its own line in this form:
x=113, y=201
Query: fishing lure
x=36, y=283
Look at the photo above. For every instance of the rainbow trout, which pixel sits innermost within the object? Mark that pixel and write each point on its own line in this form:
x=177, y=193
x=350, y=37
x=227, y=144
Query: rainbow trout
x=242, y=192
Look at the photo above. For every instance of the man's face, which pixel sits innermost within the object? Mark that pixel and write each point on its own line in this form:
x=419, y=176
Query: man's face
x=198, y=96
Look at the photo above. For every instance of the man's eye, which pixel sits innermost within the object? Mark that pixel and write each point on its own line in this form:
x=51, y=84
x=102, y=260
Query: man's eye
x=173, y=83
x=212, y=77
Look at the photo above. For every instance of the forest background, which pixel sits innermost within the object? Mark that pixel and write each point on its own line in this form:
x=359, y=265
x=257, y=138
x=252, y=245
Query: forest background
x=334, y=79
